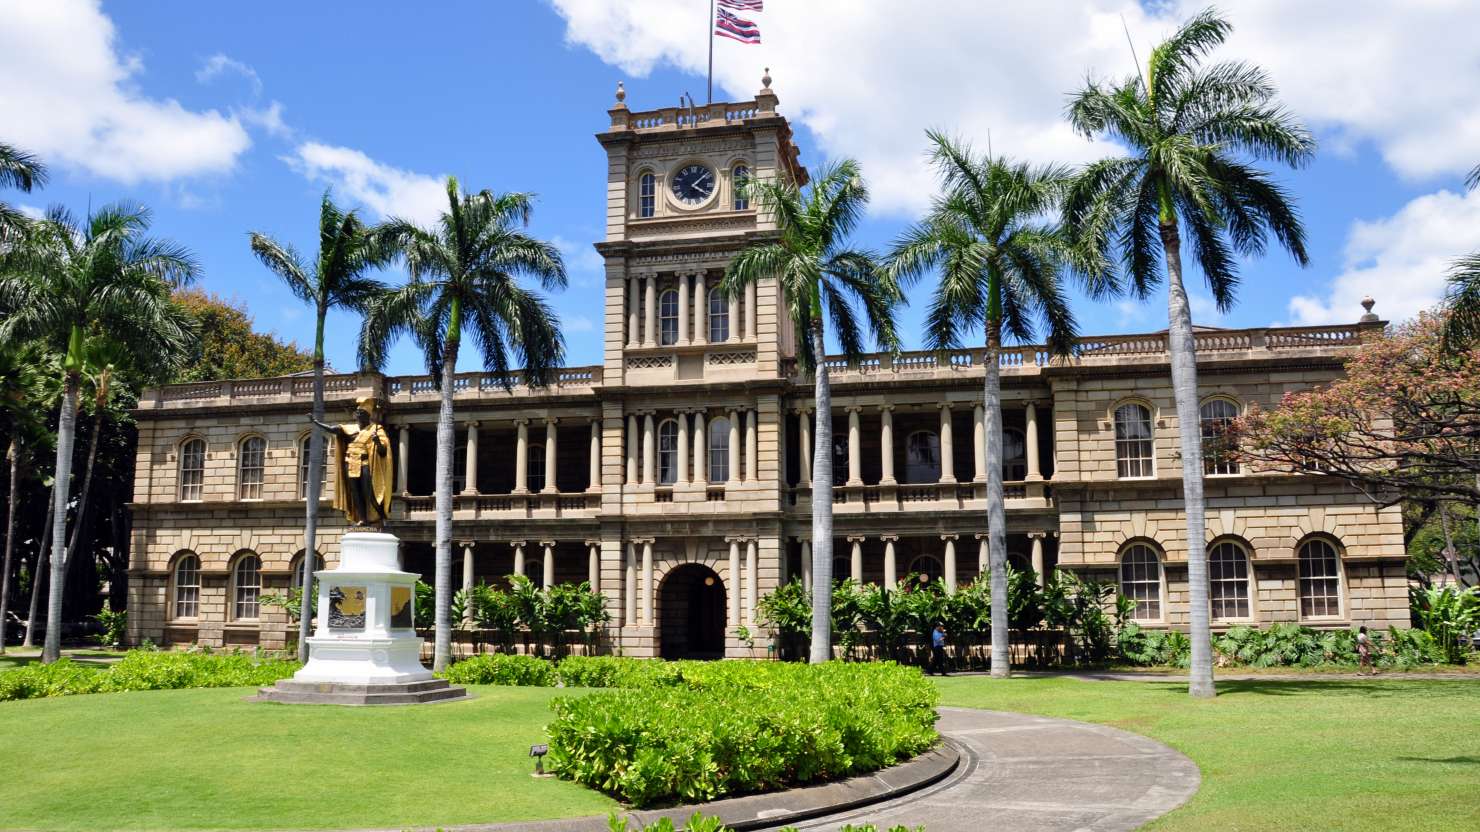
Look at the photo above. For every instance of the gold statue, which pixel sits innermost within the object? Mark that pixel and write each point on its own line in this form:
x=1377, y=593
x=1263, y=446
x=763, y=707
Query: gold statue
x=362, y=475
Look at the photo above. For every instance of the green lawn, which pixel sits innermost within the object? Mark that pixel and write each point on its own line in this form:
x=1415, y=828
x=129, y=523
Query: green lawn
x=206, y=759
x=1297, y=755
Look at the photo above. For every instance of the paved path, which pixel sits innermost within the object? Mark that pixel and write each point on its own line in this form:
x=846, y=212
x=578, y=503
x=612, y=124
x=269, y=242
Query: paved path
x=1035, y=774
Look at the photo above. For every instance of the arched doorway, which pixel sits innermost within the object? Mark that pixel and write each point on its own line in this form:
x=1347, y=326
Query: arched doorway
x=692, y=613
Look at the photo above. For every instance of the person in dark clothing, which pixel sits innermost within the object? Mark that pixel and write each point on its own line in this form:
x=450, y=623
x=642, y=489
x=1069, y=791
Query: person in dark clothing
x=938, y=650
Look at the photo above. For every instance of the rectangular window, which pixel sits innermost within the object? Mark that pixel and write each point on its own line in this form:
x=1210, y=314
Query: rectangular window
x=250, y=468
x=646, y=195
x=192, y=469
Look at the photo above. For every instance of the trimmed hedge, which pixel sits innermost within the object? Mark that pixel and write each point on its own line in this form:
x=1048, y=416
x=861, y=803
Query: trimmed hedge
x=503, y=669
x=709, y=730
x=143, y=670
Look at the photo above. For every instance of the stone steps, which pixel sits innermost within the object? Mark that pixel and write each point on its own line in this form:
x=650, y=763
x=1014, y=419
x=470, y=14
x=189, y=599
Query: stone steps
x=324, y=693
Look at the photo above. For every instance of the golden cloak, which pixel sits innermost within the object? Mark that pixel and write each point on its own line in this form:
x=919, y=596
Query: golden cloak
x=348, y=449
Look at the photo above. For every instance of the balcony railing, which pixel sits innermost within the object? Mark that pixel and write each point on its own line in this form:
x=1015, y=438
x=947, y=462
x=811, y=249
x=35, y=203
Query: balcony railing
x=931, y=496
x=504, y=506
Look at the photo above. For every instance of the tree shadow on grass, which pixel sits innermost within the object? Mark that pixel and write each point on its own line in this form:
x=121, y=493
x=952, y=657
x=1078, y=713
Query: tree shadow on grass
x=1467, y=760
x=1373, y=689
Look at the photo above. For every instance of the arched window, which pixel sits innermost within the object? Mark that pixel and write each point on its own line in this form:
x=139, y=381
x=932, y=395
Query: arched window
x=535, y=475
x=192, y=468
x=1133, y=447
x=737, y=180
x=719, y=316
x=668, y=317
x=1320, y=579
x=1014, y=455
x=187, y=587
x=250, y=461
x=246, y=587
x=921, y=457
x=1218, y=446
x=667, y=452
x=1140, y=581
x=647, y=189
x=303, y=454
x=927, y=565
x=295, y=580
x=1228, y=580
x=719, y=449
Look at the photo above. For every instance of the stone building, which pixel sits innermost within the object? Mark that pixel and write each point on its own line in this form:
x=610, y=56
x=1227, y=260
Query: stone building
x=675, y=475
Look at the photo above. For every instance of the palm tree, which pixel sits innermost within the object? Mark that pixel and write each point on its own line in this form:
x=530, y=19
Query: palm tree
x=821, y=279
x=1463, y=299
x=69, y=279
x=1000, y=269
x=465, y=282
x=335, y=280
x=1195, y=133
x=24, y=401
x=21, y=170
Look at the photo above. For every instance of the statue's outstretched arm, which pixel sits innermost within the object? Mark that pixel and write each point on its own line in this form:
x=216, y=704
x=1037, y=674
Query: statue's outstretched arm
x=327, y=428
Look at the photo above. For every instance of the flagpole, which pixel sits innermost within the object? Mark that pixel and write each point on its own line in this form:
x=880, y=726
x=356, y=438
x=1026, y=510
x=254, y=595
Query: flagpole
x=709, y=96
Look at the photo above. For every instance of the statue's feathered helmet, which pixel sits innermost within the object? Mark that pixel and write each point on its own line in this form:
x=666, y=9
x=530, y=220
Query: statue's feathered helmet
x=369, y=404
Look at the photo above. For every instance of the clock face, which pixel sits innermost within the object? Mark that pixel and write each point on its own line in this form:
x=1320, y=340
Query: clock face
x=693, y=184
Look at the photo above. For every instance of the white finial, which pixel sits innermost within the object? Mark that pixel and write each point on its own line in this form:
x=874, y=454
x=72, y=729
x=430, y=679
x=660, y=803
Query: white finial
x=1367, y=304
x=766, y=79
x=621, y=93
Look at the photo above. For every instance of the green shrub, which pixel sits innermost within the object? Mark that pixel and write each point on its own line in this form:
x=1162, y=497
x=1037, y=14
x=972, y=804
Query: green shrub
x=61, y=678
x=1450, y=615
x=735, y=727
x=144, y=670
x=616, y=672
x=1154, y=648
x=502, y=669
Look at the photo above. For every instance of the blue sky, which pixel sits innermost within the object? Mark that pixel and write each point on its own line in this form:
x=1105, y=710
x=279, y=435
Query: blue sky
x=227, y=118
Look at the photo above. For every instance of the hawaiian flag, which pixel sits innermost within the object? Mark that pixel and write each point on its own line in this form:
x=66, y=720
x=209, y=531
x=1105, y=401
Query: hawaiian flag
x=735, y=27
x=743, y=5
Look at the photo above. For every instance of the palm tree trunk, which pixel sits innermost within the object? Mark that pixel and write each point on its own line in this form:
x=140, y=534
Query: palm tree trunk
x=38, y=577
x=61, y=488
x=92, y=457
x=1182, y=349
x=1451, y=554
x=312, y=492
x=996, y=512
x=14, y=456
x=822, y=508
x=446, y=439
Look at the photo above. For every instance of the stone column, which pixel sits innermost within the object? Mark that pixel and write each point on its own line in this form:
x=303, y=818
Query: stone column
x=682, y=453
x=403, y=458
x=518, y=557
x=983, y=557
x=807, y=565
x=1030, y=438
x=632, y=438
x=629, y=586
x=634, y=299
x=547, y=574
x=979, y=443
x=647, y=582
x=593, y=564
x=593, y=477
x=1037, y=557
x=521, y=458
x=891, y=569
x=467, y=581
x=752, y=581
x=650, y=312
x=552, y=434
x=886, y=444
x=855, y=453
x=701, y=449
x=701, y=308
x=752, y=445
x=735, y=437
x=855, y=570
x=804, y=436
x=683, y=308
x=734, y=318
x=947, y=453
x=950, y=561
x=735, y=583
x=470, y=460
x=750, y=311
x=649, y=451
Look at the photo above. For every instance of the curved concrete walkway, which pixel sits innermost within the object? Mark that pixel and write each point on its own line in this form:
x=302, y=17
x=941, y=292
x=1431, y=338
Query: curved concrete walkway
x=1035, y=774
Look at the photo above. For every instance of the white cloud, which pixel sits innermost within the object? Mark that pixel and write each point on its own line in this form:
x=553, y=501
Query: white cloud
x=388, y=191
x=585, y=268
x=219, y=64
x=31, y=211
x=68, y=95
x=269, y=118
x=867, y=78
x=1399, y=260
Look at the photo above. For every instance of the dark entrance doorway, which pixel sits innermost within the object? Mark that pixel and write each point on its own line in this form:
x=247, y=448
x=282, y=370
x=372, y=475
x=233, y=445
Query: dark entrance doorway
x=692, y=612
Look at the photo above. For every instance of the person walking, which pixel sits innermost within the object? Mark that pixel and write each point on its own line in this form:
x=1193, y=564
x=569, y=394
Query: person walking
x=938, y=650
x=1365, y=665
